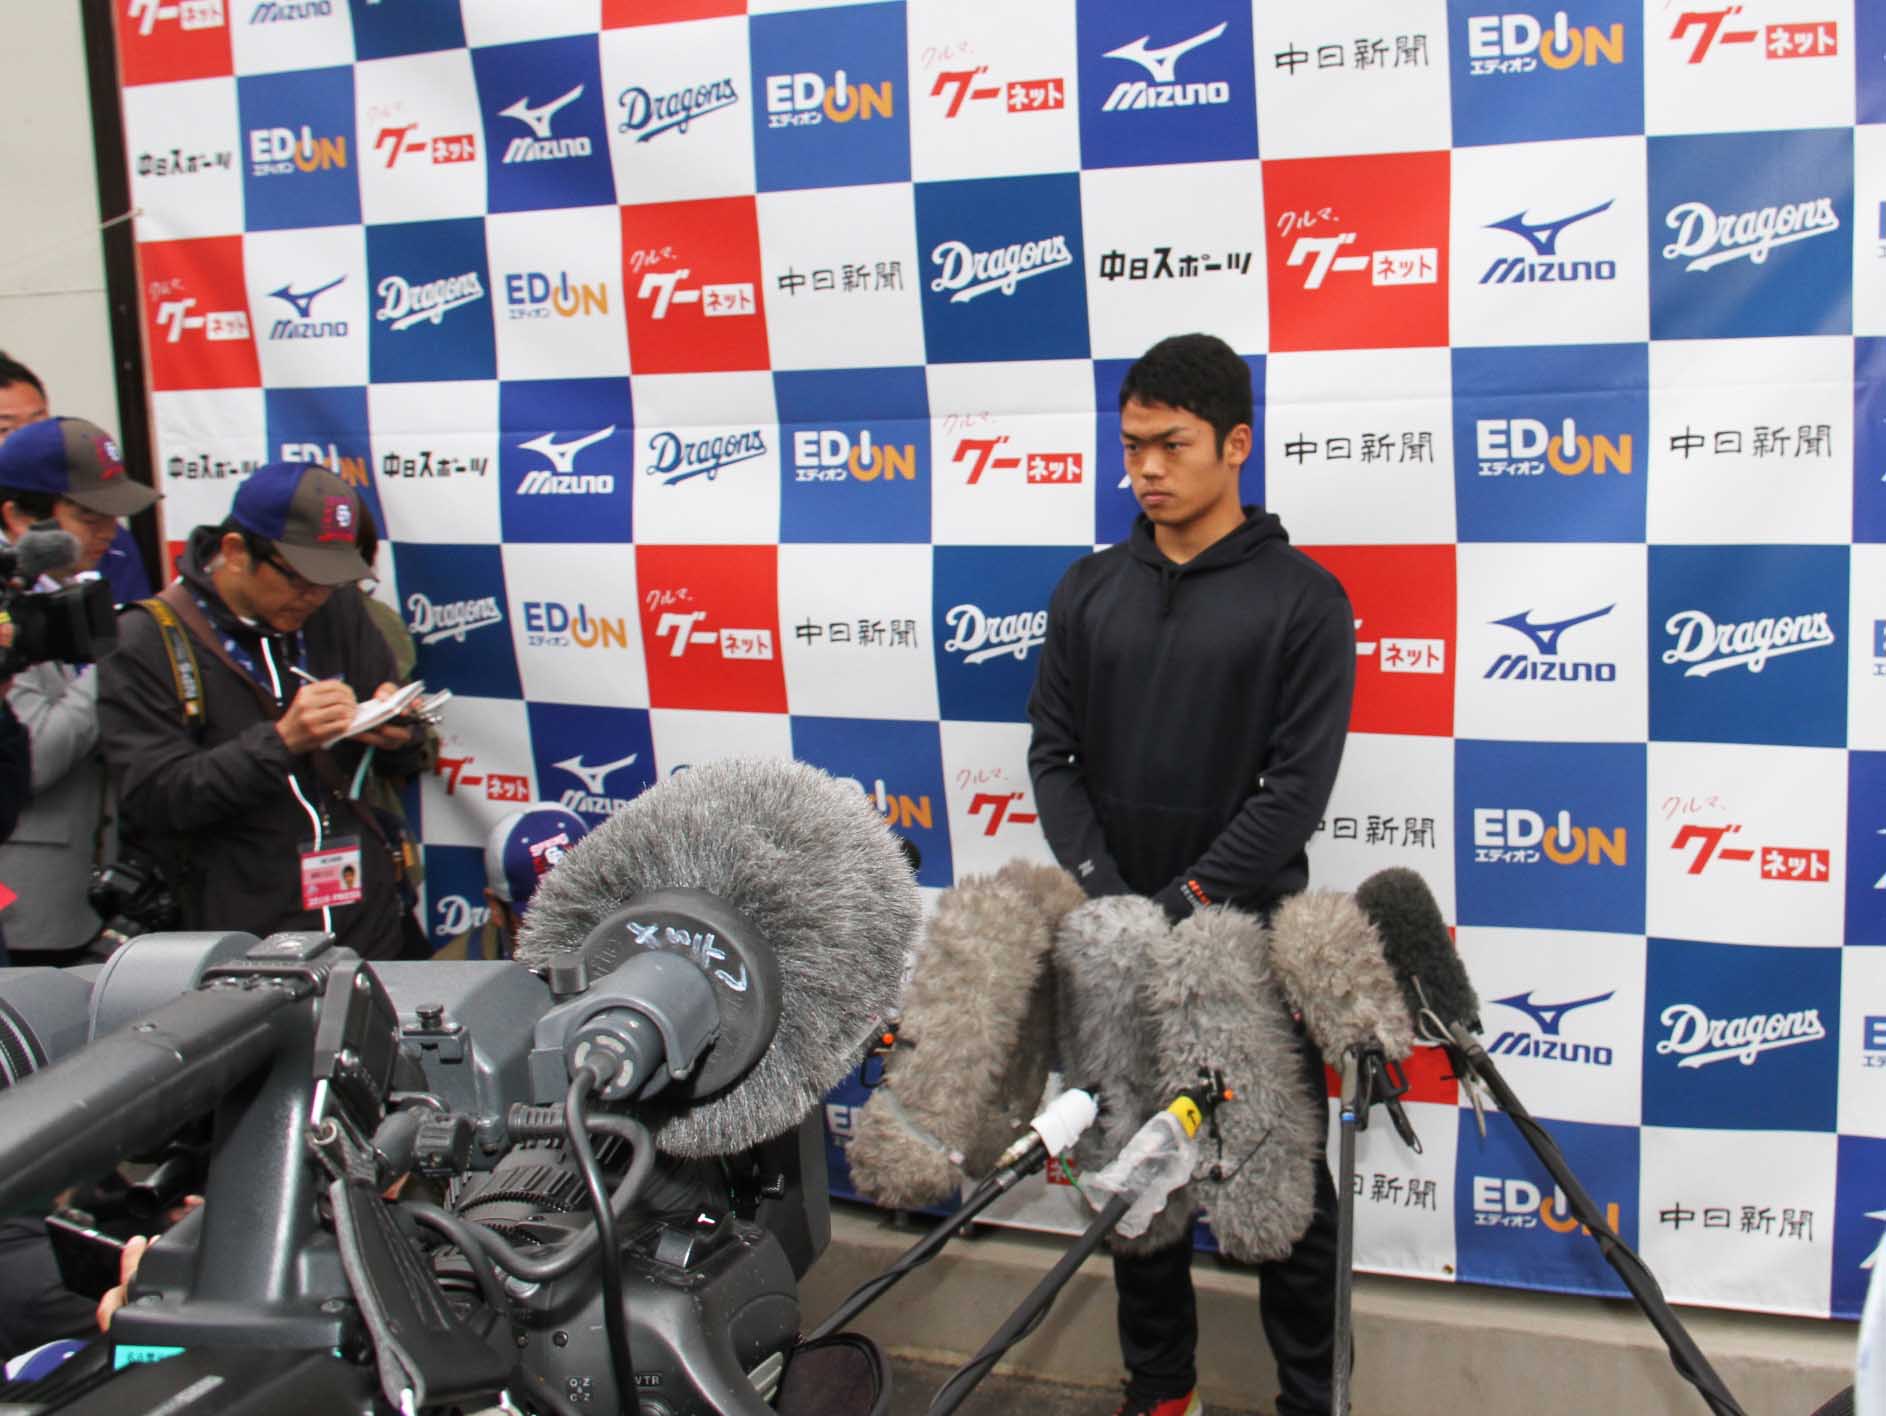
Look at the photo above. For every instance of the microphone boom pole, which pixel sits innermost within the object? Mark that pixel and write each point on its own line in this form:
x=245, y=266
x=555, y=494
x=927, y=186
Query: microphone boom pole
x=1685, y=1356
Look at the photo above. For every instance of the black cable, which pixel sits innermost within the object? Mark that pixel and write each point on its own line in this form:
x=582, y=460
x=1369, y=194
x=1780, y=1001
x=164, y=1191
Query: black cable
x=614, y=1307
x=920, y=1253
x=1032, y=1309
x=569, y=1256
x=460, y=1232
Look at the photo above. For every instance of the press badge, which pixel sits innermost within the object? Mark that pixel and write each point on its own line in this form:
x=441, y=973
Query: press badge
x=330, y=875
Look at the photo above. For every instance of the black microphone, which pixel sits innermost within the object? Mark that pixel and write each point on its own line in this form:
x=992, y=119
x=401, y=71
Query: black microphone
x=44, y=550
x=799, y=868
x=972, y=1049
x=1419, y=950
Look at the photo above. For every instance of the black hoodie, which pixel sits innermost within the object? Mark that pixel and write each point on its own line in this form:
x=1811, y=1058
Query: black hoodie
x=1189, y=719
x=215, y=806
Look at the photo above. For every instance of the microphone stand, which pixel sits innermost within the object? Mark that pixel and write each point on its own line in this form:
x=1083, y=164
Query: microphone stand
x=925, y=1249
x=1367, y=1077
x=1685, y=1356
x=1341, y=1357
x=1031, y=1310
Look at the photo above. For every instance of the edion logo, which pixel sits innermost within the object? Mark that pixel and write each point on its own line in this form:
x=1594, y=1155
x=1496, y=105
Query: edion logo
x=550, y=624
x=1161, y=89
x=1518, y=44
x=533, y=295
x=1520, y=836
x=799, y=100
x=279, y=152
x=829, y=455
x=1520, y=1204
x=1525, y=447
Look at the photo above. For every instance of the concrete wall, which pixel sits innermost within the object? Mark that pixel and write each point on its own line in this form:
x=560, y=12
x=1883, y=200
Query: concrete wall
x=52, y=274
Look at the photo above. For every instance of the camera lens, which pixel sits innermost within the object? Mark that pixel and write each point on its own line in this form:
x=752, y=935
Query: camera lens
x=21, y=1053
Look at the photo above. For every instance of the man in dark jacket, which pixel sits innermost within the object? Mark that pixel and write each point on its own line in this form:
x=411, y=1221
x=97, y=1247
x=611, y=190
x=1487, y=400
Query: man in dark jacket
x=246, y=792
x=1189, y=715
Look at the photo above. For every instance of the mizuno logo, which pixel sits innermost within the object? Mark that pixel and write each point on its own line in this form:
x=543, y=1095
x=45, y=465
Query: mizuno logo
x=1160, y=63
x=1549, y=1015
x=1544, y=235
x=1546, y=636
x=304, y=303
x=538, y=118
x=594, y=777
x=563, y=455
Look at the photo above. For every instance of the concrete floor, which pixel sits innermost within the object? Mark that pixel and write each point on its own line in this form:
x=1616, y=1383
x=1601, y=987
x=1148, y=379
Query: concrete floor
x=1422, y=1347
x=914, y=1383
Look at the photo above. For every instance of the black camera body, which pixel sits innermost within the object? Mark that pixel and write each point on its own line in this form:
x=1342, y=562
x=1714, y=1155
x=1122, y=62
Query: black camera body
x=75, y=624
x=334, y=1083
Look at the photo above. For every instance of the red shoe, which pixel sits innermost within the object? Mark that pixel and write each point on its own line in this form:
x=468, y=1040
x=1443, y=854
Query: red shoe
x=1187, y=1405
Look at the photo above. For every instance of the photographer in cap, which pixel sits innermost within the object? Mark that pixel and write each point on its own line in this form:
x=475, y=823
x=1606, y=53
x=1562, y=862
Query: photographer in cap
x=65, y=472
x=245, y=790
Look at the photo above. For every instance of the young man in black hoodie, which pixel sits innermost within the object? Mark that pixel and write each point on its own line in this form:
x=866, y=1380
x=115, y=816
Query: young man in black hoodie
x=1189, y=715
x=242, y=789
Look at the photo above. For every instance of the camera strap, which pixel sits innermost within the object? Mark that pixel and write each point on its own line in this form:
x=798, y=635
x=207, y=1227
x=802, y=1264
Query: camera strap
x=185, y=675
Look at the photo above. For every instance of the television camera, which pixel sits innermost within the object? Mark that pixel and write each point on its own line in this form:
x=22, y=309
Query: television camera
x=331, y=1082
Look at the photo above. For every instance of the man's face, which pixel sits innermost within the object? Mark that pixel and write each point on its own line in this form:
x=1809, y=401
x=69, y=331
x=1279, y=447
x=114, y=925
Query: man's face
x=1178, y=471
x=93, y=530
x=20, y=404
x=267, y=589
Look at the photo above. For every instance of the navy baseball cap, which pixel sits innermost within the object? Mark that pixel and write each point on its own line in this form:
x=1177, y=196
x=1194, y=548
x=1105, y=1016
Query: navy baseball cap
x=523, y=847
x=75, y=459
x=312, y=516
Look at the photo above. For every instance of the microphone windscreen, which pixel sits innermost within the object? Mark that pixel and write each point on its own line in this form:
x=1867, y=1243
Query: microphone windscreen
x=1328, y=958
x=974, y=1042
x=1217, y=1009
x=811, y=866
x=44, y=550
x=1417, y=946
x=1108, y=1038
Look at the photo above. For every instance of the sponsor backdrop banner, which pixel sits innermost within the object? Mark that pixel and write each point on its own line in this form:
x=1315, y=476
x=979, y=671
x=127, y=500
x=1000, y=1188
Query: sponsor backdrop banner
x=738, y=376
